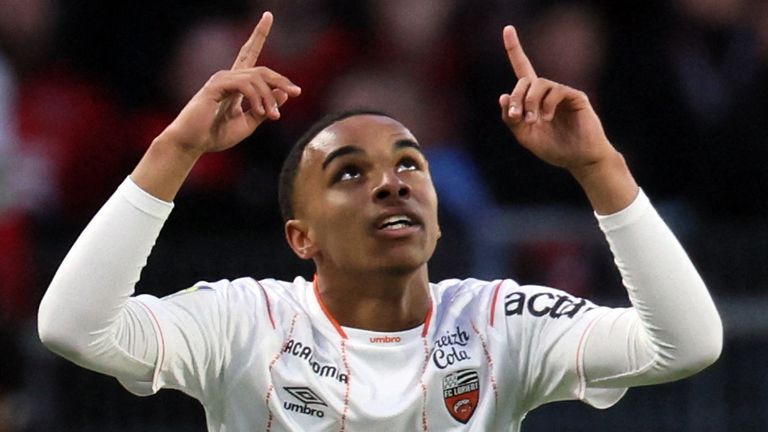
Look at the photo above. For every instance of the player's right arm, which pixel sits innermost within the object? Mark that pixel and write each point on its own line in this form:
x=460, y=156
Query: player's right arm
x=88, y=314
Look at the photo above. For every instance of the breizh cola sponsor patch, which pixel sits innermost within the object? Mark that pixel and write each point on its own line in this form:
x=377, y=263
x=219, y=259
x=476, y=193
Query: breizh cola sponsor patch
x=461, y=391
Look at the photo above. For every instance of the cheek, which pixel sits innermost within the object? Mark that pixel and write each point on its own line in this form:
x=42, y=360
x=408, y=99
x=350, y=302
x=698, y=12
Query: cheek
x=431, y=199
x=336, y=215
x=339, y=203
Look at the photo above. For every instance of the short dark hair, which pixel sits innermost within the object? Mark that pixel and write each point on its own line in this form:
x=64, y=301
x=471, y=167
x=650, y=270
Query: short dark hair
x=290, y=169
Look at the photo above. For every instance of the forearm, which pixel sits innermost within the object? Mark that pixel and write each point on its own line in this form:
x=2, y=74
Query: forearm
x=673, y=329
x=83, y=315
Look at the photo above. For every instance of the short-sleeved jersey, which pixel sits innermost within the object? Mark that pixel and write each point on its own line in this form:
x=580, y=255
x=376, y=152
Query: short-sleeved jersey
x=266, y=355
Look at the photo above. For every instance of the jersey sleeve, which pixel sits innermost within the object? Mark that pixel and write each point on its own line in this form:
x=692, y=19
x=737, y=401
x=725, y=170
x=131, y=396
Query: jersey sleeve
x=191, y=332
x=572, y=349
x=547, y=331
x=87, y=315
x=673, y=329
x=90, y=316
x=200, y=332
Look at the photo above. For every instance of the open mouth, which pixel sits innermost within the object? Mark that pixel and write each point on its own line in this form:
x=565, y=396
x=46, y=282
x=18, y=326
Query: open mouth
x=396, y=222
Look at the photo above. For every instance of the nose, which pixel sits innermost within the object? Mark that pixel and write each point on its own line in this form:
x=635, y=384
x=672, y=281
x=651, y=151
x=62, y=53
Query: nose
x=391, y=186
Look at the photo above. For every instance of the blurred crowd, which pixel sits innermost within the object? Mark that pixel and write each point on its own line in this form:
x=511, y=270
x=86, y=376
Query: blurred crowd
x=681, y=86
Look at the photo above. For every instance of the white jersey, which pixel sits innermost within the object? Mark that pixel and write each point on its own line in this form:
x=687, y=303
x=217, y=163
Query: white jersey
x=265, y=355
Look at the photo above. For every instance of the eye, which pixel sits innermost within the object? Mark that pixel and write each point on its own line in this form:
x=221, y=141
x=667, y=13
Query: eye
x=407, y=164
x=348, y=172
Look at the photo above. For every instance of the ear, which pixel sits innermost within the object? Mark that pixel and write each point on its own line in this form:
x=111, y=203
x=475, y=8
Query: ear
x=297, y=235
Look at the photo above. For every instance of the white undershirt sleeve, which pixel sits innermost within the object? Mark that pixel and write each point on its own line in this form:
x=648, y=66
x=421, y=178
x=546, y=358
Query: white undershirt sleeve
x=87, y=315
x=673, y=329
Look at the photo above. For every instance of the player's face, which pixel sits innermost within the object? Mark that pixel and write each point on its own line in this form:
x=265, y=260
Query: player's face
x=365, y=199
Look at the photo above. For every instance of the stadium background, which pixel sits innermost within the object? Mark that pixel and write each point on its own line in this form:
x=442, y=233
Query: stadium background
x=681, y=86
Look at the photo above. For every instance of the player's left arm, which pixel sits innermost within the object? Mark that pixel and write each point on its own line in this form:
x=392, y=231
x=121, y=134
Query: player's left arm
x=673, y=329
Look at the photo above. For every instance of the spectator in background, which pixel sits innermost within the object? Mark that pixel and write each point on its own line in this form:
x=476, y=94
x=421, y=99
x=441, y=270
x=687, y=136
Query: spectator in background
x=61, y=114
x=15, y=236
x=574, y=31
x=313, y=47
x=695, y=136
x=206, y=46
x=714, y=57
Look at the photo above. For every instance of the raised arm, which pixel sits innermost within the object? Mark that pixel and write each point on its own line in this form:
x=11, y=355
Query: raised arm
x=87, y=315
x=229, y=107
x=557, y=124
x=673, y=329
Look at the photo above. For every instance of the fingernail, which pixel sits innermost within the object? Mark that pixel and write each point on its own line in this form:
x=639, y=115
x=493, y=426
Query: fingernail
x=514, y=109
x=530, y=116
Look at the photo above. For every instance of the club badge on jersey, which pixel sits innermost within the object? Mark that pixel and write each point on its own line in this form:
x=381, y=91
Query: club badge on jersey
x=461, y=392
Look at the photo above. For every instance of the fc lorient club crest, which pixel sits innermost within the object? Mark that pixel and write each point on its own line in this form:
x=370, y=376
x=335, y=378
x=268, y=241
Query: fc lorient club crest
x=461, y=391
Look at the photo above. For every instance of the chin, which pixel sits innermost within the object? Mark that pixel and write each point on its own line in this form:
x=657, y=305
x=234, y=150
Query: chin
x=403, y=263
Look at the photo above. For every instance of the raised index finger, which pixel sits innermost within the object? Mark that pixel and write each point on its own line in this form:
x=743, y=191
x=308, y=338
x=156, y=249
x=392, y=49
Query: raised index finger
x=249, y=53
x=520, y=63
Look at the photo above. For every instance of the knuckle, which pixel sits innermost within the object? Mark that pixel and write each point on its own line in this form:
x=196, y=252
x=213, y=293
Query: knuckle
x=217, y=76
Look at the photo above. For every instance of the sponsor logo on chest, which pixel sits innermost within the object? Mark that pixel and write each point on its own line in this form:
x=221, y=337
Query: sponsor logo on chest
x=302, y=351
x=450, y=348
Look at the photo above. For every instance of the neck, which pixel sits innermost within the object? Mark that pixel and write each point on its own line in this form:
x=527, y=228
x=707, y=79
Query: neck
x=377, y=301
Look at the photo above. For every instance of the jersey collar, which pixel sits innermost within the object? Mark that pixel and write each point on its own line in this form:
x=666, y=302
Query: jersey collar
x=374, y=336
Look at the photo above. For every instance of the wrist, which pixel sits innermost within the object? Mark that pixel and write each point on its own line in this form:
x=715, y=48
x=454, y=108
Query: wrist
x=608, y=183
x=611, y=164
x=168, y=144
x=164, y=167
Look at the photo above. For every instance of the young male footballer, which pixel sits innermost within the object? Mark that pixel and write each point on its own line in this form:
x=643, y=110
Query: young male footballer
x=370, y=343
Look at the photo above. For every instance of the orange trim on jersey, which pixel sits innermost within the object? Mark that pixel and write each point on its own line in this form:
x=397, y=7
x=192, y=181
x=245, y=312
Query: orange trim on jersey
x=488, y=360
x=272, y=364
x=327, y=313
x=493, y=301
x=426, y=321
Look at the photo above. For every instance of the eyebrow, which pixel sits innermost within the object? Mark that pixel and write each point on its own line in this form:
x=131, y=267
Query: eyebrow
x=341, y=151
x=406, y=143
x=351, y=149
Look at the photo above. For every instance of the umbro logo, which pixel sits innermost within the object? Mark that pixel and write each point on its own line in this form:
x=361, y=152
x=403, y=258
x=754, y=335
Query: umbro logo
x=306, y=396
